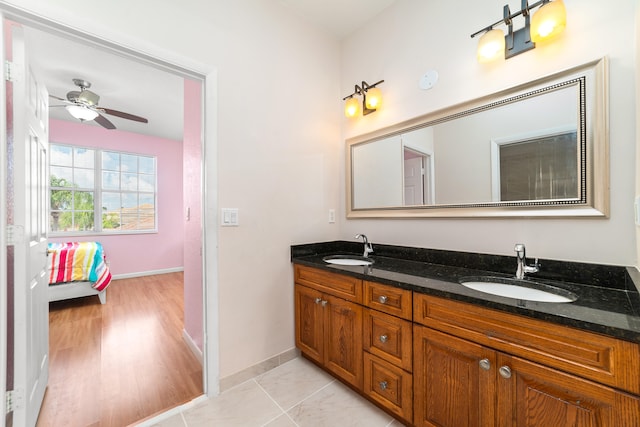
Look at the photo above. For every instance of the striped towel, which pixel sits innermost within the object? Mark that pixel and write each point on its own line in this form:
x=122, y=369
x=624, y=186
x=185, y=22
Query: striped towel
x=79, y=261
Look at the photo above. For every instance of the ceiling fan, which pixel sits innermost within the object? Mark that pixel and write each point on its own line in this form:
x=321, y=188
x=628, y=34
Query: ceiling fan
x=83, y=105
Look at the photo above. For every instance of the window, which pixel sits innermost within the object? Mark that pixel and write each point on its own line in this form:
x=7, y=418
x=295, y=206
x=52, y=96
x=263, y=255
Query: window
x=117, y=188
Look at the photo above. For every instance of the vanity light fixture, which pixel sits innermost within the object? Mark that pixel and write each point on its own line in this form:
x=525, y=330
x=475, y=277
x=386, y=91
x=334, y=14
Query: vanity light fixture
x=547, y=22
x=371, y=99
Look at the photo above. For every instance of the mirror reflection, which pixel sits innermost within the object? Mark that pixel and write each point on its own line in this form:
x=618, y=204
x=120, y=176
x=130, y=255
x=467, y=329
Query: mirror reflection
x=530, y=146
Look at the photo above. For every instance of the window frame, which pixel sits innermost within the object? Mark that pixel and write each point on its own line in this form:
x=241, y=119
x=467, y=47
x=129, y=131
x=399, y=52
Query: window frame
x=98, y=191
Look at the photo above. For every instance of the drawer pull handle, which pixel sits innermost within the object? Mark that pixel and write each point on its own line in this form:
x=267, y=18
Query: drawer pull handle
x=383, y=299
x=383, y=338
x=505, y=372
x=383, y=385
x=485, y=364
x=318, y=300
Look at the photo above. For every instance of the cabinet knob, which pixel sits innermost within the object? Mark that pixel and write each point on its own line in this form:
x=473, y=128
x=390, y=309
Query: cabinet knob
x=505, y=372
x=383, y=299
x=383, y=385
x=383, y=338
x=318, y=300
x=324, y=302
x=485, y=364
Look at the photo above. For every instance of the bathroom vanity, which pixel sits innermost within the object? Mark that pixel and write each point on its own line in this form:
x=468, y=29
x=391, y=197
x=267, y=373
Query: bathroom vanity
x=407, y=335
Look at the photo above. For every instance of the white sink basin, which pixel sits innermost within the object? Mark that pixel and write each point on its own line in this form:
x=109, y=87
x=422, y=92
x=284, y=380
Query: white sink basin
x=519, y=289
x=347, y=260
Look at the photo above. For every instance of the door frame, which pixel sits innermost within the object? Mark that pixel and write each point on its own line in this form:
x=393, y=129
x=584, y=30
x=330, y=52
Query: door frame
x=138, y=50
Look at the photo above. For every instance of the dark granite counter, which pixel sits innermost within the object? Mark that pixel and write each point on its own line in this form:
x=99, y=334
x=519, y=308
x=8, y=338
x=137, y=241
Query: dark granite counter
x=608, y=300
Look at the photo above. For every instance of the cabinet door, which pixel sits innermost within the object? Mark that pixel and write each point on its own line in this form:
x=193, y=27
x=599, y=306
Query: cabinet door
x=531, y=395
x=343, y=339
x=309, y=322
x=451, y=389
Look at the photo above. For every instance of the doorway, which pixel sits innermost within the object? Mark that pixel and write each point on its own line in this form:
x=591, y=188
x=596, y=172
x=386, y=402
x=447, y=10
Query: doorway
x=41, y=24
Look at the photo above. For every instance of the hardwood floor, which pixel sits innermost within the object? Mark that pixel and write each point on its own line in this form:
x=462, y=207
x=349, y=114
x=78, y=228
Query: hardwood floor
x=117, y=363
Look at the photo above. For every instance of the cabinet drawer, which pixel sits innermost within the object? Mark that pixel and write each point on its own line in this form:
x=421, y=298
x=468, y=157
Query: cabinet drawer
x=389, y=386
x=389, y=338
x=388, y=299
x=600, y=358
x=338, y=285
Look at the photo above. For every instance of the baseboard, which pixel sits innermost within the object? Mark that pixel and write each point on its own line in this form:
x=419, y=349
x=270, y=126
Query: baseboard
x=156, y=419
x=258, y=369
x=147, y=273
x=193, y=347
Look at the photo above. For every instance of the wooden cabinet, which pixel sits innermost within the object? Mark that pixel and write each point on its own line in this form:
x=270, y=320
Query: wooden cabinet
x=329, y=328
x=441, y=363
x=388, y=356
x=460, y=382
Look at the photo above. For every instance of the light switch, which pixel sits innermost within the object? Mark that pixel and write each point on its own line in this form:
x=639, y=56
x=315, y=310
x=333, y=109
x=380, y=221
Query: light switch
x=229, y=217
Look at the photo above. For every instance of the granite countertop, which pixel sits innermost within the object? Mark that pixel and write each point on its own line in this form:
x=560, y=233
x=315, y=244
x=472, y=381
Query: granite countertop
x=608, y=300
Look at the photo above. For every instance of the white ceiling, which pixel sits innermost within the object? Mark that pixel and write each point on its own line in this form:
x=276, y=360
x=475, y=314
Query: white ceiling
x=132, y=87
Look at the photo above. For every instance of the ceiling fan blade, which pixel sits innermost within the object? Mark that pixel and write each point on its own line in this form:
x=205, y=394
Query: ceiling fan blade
x=57, y=97
x=104, y=122
x=124, y=115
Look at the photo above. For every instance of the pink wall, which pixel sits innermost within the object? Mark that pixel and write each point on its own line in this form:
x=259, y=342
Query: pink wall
x=137, y=253
x=192, y=181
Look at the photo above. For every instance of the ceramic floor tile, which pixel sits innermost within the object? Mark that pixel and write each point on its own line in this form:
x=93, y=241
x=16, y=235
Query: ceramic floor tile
x=336, y=405
x=245, y=405
x=294, y=381
x=282, y=421
x=175, y=421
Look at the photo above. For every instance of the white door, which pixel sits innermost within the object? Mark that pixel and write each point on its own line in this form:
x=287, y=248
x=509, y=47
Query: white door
x=413, y=181
x=31, y=302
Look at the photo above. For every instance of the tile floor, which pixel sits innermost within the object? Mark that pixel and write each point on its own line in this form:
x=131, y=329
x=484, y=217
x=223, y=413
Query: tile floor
x=296, y=393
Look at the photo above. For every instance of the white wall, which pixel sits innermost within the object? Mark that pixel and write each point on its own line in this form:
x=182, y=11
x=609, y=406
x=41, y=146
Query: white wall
x=413, y=36
x=279, y=112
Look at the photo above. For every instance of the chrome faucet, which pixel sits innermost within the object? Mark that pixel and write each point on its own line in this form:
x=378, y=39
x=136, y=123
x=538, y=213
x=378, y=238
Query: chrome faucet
x=523, y=268
x=367, y=246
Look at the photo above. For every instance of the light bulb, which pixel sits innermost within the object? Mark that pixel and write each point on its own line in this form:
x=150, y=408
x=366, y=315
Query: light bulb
x=548, y=21
x=351, y=107
x=374, y=98
x=491, y=45
x=81, y=112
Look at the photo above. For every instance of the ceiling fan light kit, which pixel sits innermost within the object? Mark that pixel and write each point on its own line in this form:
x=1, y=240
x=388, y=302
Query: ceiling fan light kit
x=83, y=105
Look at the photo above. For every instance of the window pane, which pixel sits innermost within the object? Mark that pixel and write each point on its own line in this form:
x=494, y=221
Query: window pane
x=146, y=182
x=84, y=178
x=83, y=221
x=61, y=199
x=83, y=158
x=147, y=165
x=111, y=221
x=60, y=155
x=61, y=177
x=129, y=163
x=111, y=201
x=129, y=201
x=129, y=219
x=111, y=180
x=129, y=182
x=147, y=219
x=110, y=161
x=147, y=201
x=83, y=200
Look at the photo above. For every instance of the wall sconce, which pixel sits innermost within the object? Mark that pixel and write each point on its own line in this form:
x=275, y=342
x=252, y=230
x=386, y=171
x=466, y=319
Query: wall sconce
x=371, y=99
x=547, y=22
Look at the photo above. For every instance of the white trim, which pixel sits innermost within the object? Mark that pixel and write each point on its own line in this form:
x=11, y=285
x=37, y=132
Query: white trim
x=172, y=412
x=193, y=347
x=147, y=273
x=3, y=235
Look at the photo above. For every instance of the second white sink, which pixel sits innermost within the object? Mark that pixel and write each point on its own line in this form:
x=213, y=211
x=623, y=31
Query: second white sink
x=520, y=289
